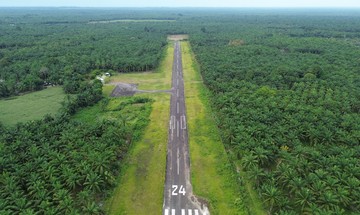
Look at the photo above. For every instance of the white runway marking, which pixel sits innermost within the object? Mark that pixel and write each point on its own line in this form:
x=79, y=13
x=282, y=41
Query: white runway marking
x=183, y=122
x=177, y=92
x=178, y=163
x=177, y=107
x=177, y=132
x=172, y=122
x=183, y=212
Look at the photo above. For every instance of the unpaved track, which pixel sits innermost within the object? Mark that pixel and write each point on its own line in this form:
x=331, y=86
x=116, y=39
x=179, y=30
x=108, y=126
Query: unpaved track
x=178, y=196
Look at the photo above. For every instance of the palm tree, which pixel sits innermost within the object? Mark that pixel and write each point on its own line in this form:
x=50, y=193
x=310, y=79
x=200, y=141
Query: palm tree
x=20, y=204
x=344, y=196
x=256, y=174
x=313, y=208
x=28, y=212
x=261, y=155
x=83, y=197
x=66, y=204
x=91, y=209
x=286, y=174
x=249, y=161
x=93, y=182
x=328, y=200
x=296, y=185
x=304, y=198
x=271, y=196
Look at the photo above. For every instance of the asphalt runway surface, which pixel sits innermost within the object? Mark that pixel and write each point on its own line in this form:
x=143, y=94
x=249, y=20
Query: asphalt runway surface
x=178, y=196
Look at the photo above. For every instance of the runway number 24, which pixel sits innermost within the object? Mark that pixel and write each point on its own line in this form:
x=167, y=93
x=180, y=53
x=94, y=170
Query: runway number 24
x=175, y=190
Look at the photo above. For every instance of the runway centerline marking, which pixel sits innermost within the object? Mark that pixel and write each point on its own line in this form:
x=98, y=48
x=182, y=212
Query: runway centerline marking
x=177, y=107
x=178, y=161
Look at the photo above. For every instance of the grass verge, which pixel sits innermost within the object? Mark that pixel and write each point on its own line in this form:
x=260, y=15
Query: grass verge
x=212, y=175
x=31, y=106
x=141, y=184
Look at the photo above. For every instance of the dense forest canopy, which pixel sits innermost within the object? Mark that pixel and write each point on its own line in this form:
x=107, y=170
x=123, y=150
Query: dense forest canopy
x=287, y=88
x=285, y=84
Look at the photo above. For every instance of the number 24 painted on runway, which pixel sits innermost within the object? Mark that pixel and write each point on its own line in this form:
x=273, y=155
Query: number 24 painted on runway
x=181, y=190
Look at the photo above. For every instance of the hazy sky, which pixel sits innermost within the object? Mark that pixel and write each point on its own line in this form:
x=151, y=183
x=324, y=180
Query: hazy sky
x=184, y=3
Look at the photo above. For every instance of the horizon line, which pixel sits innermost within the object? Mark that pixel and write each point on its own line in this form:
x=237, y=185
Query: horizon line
x=228, y=7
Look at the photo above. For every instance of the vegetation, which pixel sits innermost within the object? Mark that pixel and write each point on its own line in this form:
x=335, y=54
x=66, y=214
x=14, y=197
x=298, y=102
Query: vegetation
x=56, y=48
x=31, y=106
x=287, y=91
x=212, y=175
x=143, y=177
x=57, y=165
x=64, y=163
x=285, y=87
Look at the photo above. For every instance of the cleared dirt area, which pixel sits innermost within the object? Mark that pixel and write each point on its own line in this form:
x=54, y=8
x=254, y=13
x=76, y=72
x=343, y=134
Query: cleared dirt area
x=126, y=89
x=178, y=37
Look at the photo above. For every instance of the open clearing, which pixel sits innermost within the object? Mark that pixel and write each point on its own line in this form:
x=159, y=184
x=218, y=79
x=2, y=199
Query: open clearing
x=141, y=185
x=31, y=106
x=178, y=37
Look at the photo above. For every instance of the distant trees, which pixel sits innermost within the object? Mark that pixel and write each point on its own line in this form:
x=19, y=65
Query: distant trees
x=49, y=51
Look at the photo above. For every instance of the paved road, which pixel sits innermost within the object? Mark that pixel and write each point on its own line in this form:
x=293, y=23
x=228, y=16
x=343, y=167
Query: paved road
x=178, y=196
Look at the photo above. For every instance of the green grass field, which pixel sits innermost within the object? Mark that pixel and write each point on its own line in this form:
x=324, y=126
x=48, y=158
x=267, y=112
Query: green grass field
x=212, y=176
x=141, y=186
x=31, y=106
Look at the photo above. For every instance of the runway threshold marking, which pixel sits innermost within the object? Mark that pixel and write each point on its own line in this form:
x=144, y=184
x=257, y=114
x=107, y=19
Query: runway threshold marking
x=172, y=122
x=183, y=212
x=183, y=122
x=177, y=129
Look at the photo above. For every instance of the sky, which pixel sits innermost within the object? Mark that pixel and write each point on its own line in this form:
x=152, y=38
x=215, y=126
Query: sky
x=181, y=3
